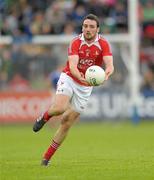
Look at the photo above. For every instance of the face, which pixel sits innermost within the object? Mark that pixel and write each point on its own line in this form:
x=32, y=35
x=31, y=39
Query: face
x=89, y=29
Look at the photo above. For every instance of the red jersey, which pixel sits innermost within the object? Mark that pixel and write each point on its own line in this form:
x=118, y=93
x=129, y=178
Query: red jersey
x=89, y=54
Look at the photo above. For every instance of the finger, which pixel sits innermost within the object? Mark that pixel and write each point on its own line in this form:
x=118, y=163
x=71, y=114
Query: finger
x=106, y=77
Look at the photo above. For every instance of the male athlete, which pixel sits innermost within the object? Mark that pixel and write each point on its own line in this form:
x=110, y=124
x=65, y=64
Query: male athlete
x=73, y=92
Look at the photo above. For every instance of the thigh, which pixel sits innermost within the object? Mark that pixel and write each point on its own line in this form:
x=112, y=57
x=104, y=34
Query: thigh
x=61, y=101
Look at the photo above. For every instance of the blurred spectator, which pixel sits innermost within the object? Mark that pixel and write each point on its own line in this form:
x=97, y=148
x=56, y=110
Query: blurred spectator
x=37, y=23
x=6, y=64
x=55, y=16
x=147, y=49
x=3, y=81
x=148, y=11
x=47, y=29
x=54, y=77
x=5, y=68
x=18, y=83
x=77, y=16
x=147, y=87
x=69, y=28
x=12, y=20
x=148, y=19
x=119, y=15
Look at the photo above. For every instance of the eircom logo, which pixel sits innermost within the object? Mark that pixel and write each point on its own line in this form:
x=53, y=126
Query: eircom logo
x=23, y=107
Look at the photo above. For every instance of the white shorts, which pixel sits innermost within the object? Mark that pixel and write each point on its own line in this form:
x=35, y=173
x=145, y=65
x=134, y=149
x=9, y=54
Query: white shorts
x=79, y=94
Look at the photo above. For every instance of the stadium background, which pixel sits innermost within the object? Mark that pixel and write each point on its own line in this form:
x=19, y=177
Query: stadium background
x=111, y=141
x=27, y=69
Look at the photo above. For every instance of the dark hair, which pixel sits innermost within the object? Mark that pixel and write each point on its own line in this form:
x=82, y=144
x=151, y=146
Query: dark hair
x=92, y=17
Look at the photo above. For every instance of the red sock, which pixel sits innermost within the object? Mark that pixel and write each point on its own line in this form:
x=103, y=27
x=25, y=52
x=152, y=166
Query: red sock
x=51, y=150
x=46, y=116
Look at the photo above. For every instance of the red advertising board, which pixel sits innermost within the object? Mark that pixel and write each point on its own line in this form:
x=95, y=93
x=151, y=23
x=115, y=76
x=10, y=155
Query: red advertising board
x=23, y=106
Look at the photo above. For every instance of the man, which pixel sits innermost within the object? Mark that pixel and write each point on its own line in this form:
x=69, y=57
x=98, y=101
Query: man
x=73, y=92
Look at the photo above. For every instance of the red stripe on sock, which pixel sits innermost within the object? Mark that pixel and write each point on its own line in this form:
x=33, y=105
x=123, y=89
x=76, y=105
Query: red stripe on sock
x=51, y=150
x=46, y=116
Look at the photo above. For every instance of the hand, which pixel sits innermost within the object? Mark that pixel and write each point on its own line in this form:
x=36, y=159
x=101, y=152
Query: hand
x=83, y=80
x=108, y=72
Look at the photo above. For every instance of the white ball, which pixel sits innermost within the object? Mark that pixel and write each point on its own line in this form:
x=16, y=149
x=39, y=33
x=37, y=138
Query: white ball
x=95, y=75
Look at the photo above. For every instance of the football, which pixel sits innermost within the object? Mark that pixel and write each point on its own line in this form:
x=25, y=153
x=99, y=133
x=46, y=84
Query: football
x=95, y=75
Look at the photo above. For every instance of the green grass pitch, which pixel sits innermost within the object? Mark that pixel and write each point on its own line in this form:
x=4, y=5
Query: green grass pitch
x=103, y=151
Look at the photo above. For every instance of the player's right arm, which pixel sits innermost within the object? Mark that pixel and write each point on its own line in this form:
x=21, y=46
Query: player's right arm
x=73, y=63
x=73, y=58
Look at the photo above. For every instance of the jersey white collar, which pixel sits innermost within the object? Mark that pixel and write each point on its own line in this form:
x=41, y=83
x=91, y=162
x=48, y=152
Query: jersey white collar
x=95, y=42
x=83, y=39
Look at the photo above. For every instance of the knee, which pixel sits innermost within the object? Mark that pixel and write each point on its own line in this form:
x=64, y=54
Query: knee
x=66, y=126
x=68, y=120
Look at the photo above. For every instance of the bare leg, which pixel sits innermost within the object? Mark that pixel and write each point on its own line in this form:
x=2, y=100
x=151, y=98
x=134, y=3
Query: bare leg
x=59, y=106
x=69, y=117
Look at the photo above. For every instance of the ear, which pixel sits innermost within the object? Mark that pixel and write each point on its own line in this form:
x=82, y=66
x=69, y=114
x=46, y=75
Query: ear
x=98, y=30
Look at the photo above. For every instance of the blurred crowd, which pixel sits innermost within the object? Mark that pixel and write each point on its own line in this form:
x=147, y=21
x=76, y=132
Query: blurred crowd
x=146, y=11
x=28, y=17
x=22, y=19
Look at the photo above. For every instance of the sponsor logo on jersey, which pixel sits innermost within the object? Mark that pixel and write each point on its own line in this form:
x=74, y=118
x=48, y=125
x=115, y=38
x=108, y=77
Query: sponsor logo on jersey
x=87, y=52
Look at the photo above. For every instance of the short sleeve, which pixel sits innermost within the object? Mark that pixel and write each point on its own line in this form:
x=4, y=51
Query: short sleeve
x=74, y=47
x=106, y=49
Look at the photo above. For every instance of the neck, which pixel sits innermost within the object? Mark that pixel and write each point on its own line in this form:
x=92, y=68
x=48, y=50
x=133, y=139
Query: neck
x=89, y=41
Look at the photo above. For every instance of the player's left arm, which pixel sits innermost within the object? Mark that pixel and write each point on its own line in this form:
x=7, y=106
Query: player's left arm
x=109, y=67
